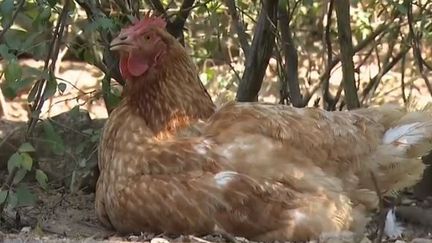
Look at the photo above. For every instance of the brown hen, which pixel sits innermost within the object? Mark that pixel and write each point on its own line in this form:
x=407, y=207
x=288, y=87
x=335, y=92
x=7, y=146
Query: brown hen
x=170, y=163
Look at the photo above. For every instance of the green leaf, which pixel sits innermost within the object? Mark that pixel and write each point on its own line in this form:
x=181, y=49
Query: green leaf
x=52, y=3
x=74, y=112
x=12, y=199
x=13, y=71
x=3, y=196
x=32, y=95
x=7, y=7
x=402, y=8
x=24, y=196
x=19, y=176
x=8, y=91
x=14, y=161
x=56, y=142
x=30, y=40
x=61, y=87
x=42, y=178
x=26, y=147
x=45, y=14
x=51, y=87
x=4, y=52
x=308, y=3
x=27, y=161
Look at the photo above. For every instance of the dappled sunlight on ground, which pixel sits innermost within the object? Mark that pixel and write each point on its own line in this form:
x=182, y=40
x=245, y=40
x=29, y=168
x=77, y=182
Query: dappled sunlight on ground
x=83, y=87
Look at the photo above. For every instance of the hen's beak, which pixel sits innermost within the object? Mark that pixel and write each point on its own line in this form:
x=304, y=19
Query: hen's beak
x=121, y=42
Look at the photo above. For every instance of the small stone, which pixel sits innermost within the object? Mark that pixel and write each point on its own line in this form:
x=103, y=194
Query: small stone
x=133, y=238
x=159, y=240
x=26, y=229
x=400, y=241
x=365, y=240
x=421, y=240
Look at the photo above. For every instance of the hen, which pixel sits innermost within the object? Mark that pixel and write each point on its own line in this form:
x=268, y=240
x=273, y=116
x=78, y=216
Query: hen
x=171, y=163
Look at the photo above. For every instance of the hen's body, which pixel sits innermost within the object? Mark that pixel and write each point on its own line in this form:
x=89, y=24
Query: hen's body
x=265, y=172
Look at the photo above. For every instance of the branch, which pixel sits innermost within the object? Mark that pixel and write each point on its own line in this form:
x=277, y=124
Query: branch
x=176, y=27
x=49, y=68
x=371, y=86
x=416, y=47
x=262, y=46
x=14, y=16
x=291, y=58
x=157, y=5
x=381, y=223
x=404, y=97
x=360, y=46
x=347, y=53
x=242, y=36
x=109, y=64
x=329, y=101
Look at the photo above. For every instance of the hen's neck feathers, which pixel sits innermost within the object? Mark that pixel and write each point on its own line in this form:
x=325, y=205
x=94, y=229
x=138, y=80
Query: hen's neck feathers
x=170, y=95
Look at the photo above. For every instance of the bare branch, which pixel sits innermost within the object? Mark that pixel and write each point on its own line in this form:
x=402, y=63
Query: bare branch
x=404, y=97
x=109, y=64
x=371, y=86
x=291, y=58
x=157, y=5
x=380, y=208
x=49, y=68
x=242, y=36
x=416, y=47
x=329, y=101
x=360, y=46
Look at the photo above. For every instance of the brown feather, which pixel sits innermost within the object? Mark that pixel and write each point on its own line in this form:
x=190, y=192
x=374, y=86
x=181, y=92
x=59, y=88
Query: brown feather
x=170, y=163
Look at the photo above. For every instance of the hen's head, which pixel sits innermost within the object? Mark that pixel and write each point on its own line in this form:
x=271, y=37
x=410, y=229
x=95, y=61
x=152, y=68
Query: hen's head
x=162, y=82
x=141, y=45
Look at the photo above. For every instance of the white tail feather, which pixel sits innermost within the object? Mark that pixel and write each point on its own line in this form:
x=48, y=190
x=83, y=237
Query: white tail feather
x=392, y=228
x=404, y=137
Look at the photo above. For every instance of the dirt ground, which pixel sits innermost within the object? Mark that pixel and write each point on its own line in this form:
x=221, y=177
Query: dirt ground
x=63, y=217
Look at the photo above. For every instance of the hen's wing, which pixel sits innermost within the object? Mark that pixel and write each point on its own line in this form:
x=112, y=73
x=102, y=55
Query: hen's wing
x=335, y=141
x=324, y=149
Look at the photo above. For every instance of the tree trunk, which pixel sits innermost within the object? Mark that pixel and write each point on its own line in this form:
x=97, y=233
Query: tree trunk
x=260, y=53
x=344, y=35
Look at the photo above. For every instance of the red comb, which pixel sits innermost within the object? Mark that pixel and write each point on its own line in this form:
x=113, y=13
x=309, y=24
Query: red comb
x=149, y=20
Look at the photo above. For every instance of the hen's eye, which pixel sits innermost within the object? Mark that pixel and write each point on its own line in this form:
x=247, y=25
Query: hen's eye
x=147, y=37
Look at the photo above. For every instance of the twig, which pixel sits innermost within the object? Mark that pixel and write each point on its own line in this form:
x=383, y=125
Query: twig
x=293, y=9
x=176, y=27
x=416, y=47
x=404, y=98
x=40, y=85
x=380, y=207
x=384, y=66
x=3, y=141
x=360, y=46
x=157, y=5
x=371, y=86
x=14, y=16
x=242, y=36
x=6, y=186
